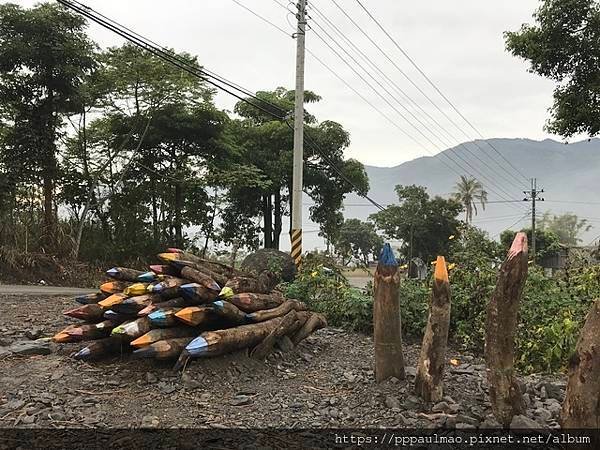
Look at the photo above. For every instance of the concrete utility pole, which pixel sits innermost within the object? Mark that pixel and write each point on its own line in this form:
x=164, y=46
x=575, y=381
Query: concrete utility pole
x=533, y=198
x=296, y=234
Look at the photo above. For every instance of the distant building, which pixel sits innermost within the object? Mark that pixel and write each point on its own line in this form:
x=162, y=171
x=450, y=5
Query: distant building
x=572, y=257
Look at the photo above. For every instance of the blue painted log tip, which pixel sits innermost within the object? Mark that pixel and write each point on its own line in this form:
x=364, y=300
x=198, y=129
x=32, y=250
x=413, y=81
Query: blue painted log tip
x=83, y=353
x=387, y=257
x=148, y=276
x=157, y=315
x=112, y=272
x=189, y=286
x=197, y=346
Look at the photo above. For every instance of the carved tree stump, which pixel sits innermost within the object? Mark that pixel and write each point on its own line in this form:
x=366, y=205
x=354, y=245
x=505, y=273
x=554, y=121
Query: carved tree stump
x=389, y=360
x=500, y=327
x=581, y=408
x=430, y=369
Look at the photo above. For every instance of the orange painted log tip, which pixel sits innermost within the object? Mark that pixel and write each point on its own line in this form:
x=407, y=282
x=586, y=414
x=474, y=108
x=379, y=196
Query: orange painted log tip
x=441, y=271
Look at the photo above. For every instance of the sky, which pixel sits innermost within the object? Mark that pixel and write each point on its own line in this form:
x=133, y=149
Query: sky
x=458, y=44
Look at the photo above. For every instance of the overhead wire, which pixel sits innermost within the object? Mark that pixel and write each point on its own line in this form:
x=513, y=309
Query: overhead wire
x=428, y=117
x=436, y=88
x=207, y=76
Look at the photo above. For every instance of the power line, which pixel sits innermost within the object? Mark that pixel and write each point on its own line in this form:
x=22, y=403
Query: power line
x=408, y=98
x=512, y=225
x=452, y=105
x=404, y=117
x=202, y=74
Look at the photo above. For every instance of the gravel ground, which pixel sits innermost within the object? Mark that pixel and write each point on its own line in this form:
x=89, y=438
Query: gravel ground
x=327, y=381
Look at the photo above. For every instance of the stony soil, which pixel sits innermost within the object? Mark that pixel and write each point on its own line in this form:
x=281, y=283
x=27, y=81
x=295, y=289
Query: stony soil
x=327, y=381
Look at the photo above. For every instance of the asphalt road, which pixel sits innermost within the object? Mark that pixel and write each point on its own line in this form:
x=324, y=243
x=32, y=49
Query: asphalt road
x=42, y=290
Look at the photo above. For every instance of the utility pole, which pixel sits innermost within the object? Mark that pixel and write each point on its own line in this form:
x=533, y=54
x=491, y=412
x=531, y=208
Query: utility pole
x=296, y=234
x=533, y=198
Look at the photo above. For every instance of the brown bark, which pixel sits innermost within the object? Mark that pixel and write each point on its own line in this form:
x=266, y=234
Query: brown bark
x=267, y=221
x=500, y=327
x=281, y=310
x=277, y=213
x=262, y=350
x=581, y=407
x=389, y=360
x=430, y=369
x=315, y=322
x=178, y=221
x=250, y=302
x=261, y=285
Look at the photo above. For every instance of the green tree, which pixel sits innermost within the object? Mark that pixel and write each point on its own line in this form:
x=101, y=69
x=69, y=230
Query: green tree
x=563, y=45
x=423, y=224
x=566, y=226
x=359, y=240
x=469, y=192
x=44, y=56
x=547, y=242
x=266, y=144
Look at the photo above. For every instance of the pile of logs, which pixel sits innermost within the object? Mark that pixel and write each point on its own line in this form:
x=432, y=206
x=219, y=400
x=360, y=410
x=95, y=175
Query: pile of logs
x=187, y=307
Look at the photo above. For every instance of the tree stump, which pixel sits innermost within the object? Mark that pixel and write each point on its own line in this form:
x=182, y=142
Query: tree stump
x=500, y=327
x=389, y=360
x=581, y=407
x=430, y=369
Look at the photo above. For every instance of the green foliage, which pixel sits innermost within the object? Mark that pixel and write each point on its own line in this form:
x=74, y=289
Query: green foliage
x=357, y=239
x=563, y=45
x=547, y=242
x=566, y=226
x=321, y=285
x=423, y=224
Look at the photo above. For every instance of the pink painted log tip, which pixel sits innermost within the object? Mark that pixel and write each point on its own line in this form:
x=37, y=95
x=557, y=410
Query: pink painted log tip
x=519, y=245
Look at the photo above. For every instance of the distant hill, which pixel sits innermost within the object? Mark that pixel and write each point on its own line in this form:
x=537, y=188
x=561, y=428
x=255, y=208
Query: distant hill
x=566, y=172
x=569, y=175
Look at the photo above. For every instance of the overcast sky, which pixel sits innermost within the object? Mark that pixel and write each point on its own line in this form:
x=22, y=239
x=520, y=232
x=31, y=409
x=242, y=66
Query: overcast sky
x=458, y=44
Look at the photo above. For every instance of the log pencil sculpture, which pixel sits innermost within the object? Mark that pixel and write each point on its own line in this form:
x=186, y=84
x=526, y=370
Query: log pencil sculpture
x=500, y=329
x=581, y=408
x=430, y=369
x=389, y=361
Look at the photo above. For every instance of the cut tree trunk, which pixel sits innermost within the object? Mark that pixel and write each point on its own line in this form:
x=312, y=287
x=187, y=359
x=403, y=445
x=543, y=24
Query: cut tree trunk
x=281, y=310
x=313, y=323
x=250, y=302
x=500, y=327
x=430, y=369
x=581, y=407
x=389, y=360
x=262, y=350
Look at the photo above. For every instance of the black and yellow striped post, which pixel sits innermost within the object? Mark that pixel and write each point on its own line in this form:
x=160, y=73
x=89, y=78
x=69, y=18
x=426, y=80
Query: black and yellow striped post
x=296, y=252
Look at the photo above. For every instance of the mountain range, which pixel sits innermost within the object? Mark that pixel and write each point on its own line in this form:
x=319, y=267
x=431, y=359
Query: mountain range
x=569, y=174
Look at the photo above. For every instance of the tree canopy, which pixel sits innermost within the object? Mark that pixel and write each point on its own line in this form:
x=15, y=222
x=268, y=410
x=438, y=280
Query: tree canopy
x=563, y=45
x=567, y=227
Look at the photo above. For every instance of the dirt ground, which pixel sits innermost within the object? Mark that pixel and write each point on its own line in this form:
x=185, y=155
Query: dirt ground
x=327, y=381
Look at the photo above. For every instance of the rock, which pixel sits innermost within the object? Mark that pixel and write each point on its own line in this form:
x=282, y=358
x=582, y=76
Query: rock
x=543, y=414
x=523, y=423
x=151, y=378
x=410, y=371
x=392, y=402
x=527, y=400
x=240, y=400
x=28, y=420
x=555, y=391
x=554, y=407
x=189, y=382
x=166, y=388
x=150, y=422
x=26, y=348
x=465, y=369
x=461, y=418
x=14, y=404
x=440, y=407
x=464, y=426
x=393, y=380
x=4, y=352
x=490, y=422
x=543, y=394
x=412, y=402
x=453, y=408
x=333, y=412
x=33, y=333
x=268, y=259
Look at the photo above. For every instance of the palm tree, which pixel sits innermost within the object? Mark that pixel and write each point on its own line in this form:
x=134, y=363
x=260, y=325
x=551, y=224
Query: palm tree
x=469, y=192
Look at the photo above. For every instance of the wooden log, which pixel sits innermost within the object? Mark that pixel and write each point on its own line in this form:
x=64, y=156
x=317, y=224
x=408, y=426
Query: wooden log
x=315, y=322
x=133, y=330
x=263, y=284
x=124, y=274
x=166, y=349
x=112, y=300
x=179, y=265
x=102, y=348
x=197, y=315
x=201, y=278
x=90, y=313
x=62, y=335
x=112, y=287
x=281, y=310
x=262, y=350
x=133, y=305
x=219, y=342
x=90, y=298
x=251, y=302
x=196, y=294
x=118, y=317
x=136, y=289
x=500, y=329
x=164, y=317
x=432, y=362
x=164, y=269
x=389, y=360
x=161, y=334
x=173, y=303
x=581, y=407
x=90, y=331
x=229, y=312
